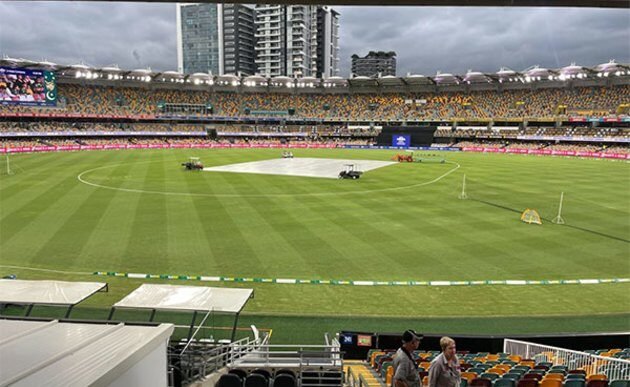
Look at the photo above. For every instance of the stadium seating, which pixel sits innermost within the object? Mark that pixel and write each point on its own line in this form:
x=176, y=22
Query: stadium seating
x=521, y=103
x=230, y=380
x=284, y=380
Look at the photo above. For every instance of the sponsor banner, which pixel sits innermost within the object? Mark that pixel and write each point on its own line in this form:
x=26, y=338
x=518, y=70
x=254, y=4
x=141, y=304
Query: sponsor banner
x=26, y=149
x=548, y=152
x=100, y=133
x=260, y=134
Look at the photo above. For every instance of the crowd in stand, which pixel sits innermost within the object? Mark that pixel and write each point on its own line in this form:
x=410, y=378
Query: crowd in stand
x=48, y=126
x=524, y=103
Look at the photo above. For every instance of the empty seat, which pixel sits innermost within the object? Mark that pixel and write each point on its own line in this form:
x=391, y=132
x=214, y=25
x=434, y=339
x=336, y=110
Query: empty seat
x=597, y=383
x=575, y=383
x=469, y=376
x=229, y=380
x=285, y=371
x=576, y=376
x=505, y=383
x=489, y=375
x=527, y=383
x=559, y=377
x=481, y=382
x=240, y=372
x=256, y=380
x=620, y=383
x=504, y=367
x=511, y=375
x=263, y=372
x=550, y=383
x=533, y=375
x=284, y=380
x=596, y=377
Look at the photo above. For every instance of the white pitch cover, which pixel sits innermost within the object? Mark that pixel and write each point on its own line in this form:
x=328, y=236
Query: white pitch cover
x=46, y=292
x=174, y=297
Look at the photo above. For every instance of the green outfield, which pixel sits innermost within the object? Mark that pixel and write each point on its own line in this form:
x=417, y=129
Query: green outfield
x=138, y=211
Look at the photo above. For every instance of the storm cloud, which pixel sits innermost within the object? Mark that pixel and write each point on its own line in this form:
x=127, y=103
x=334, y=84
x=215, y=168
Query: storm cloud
x=426, y=39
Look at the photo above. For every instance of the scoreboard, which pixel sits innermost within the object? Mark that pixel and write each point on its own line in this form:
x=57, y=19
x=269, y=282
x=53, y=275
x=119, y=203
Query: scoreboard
x=27, y=87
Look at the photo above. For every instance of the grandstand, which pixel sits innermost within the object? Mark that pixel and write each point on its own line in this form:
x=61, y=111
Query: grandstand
x=323, y=255
x=571, y=109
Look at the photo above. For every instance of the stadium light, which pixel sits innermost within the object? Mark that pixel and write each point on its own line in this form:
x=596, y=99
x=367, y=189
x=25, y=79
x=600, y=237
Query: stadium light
x=78, y=74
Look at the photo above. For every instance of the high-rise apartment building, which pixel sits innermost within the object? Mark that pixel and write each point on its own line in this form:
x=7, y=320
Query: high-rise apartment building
x=375, y=63
x=327, y=50
x=217, y=38
x=297, y=40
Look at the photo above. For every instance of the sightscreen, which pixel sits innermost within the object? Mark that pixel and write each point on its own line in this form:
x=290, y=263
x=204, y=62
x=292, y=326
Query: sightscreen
x=27, y=87
x=406, y=136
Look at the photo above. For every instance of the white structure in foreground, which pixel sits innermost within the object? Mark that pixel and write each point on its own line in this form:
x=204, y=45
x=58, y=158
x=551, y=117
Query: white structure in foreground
x=38, y=353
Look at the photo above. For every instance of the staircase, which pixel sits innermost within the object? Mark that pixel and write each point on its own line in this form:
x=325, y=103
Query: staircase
x=363, y=374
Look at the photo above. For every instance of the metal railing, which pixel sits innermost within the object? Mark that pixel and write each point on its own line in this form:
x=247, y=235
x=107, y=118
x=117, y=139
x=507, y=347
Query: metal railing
x=614, y=369
x=194, y=360
x=355, y=381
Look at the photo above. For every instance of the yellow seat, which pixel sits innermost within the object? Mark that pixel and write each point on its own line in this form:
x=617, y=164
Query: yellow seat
x=596, y=377
x=373, y=358
x=389, y=376
x=492, y=357
x=497, y=370
x=469, y=376
x=425, y=381
x=516, y=358
x=559, y=377
x=504, y=367
x=425, y=365
x=547, y=382
x=529, y=363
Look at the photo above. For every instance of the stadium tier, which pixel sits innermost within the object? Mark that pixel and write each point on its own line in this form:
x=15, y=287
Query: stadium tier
x=519, y=104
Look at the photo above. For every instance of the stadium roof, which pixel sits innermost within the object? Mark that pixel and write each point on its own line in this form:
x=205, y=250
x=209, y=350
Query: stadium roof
x=504, y=75
x=449, y=3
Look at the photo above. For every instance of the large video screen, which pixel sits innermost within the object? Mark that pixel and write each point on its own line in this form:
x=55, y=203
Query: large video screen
x=27, y=87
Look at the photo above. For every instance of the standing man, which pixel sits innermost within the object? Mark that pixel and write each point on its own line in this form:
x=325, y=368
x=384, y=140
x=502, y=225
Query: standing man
x=405, y=367
x=444, y=370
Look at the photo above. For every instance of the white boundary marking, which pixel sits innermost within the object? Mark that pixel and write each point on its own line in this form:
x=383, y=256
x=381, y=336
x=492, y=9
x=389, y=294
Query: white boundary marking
x=132, y=190
x=47, y=270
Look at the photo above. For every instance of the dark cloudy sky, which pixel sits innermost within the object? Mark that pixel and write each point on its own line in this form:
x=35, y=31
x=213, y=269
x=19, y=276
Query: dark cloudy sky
x=426, y=39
